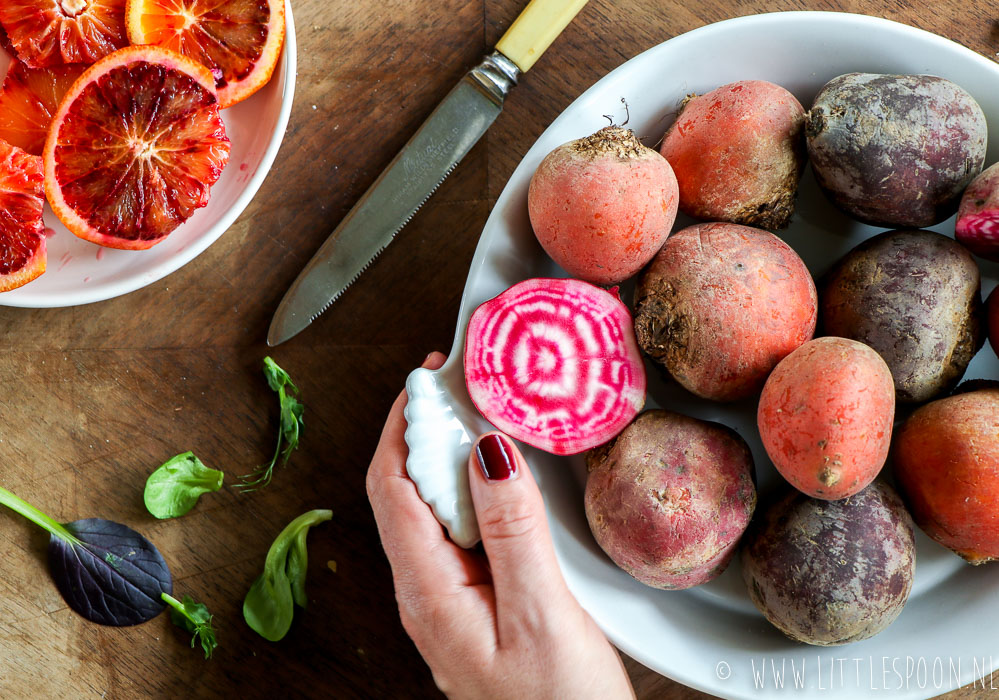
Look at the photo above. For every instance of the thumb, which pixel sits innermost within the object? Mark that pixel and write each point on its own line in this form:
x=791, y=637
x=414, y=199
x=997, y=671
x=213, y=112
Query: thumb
x=514, y=527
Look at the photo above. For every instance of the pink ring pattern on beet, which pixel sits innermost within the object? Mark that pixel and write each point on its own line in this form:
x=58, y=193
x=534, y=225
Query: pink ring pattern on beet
x=980, y=233
x=554, y=363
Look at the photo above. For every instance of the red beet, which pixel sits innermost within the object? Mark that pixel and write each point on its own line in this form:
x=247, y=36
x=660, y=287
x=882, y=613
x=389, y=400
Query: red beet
x=895, y=150
x=554, y=363
x=831, y=572
x=669, y=498
x=914, y=297
x=978, y=216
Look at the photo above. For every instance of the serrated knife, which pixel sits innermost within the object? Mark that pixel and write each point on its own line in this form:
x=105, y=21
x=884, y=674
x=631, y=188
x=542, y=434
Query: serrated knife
x=434, y=150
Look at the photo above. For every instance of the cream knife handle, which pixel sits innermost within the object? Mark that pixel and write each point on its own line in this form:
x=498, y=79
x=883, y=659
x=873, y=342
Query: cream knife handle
x=535, y=30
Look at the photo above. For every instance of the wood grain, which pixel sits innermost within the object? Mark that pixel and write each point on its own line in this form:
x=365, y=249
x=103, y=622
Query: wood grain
x=95, y=397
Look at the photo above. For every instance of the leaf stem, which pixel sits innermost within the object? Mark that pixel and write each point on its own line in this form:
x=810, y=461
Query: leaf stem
x=277, y=450
x=263, y=473
x=278, y=553
x=36, y=516
x=174, y=603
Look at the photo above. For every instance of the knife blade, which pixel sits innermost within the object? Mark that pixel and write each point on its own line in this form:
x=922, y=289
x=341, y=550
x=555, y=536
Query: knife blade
x=451, y=130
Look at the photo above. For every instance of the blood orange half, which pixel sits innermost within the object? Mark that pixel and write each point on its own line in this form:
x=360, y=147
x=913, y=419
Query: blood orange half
x=135, y=147
x=238, y=40
x=28, y=99
x=52, y=32
x=22, y=241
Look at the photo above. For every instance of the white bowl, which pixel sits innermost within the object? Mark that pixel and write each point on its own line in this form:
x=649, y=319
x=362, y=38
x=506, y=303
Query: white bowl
x=80, y=272
x=711, y=637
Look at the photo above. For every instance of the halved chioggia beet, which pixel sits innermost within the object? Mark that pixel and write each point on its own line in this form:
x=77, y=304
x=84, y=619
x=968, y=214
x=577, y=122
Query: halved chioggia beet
x=554, y=363
x=977, y=224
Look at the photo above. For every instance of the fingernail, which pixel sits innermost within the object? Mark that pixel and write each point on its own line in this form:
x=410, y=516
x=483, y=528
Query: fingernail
x=496, y=458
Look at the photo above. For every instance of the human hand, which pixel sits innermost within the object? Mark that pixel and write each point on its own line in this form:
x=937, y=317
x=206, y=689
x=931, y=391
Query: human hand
x=499, y=625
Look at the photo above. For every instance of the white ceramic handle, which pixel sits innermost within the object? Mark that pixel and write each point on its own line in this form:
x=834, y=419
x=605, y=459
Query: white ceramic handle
x=441, y=428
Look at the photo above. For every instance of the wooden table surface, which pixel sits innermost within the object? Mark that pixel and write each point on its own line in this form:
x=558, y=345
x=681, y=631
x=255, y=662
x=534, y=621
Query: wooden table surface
x=97, y=396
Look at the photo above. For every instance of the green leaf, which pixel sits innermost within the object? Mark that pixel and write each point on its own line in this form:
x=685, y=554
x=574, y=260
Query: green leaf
x=195, y=618
x=289, y=430
x=270, y=604
x=277, y=377
x=105, y=571
x=291, y=424
x=174, y=488
x=297, y=567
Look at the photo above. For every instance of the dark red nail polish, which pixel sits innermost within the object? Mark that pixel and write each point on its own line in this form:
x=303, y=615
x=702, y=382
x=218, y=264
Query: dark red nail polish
x=496, y=458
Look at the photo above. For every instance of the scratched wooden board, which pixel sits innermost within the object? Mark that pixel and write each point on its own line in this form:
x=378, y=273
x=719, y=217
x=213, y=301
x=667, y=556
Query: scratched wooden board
x=95, y=397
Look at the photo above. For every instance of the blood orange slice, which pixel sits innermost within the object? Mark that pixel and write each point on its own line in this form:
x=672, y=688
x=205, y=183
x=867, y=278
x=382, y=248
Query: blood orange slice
x=238, y=40
x=52, y=32
x=22, y=241
x=28, y=99
x=135, y=147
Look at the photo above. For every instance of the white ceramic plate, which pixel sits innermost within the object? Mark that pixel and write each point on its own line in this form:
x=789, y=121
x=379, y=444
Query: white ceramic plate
x=80, y=272
x=711, y=637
